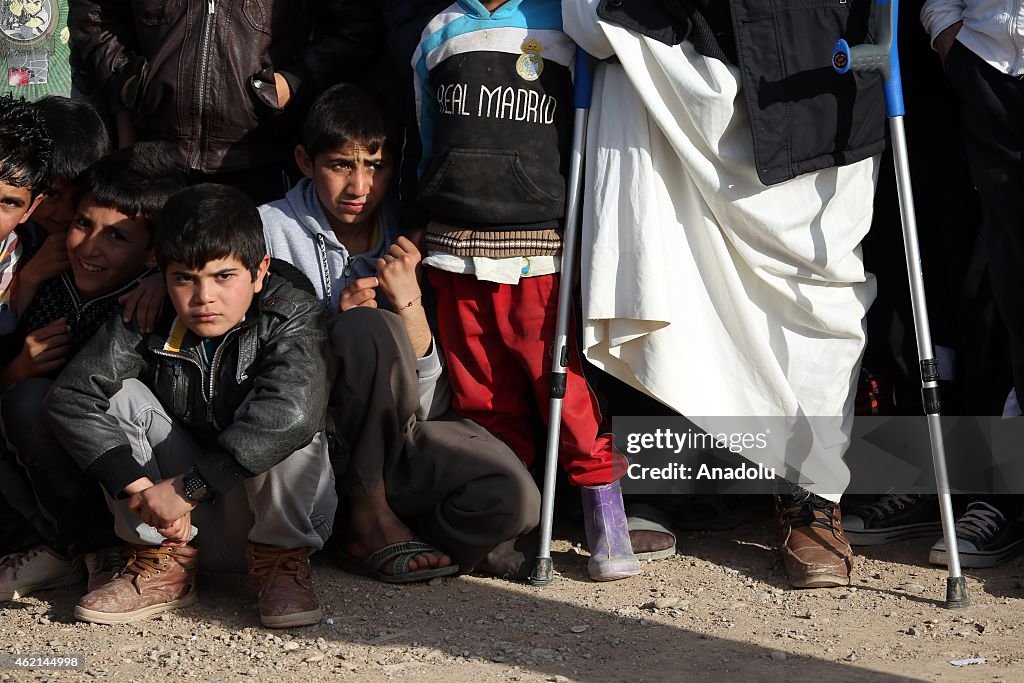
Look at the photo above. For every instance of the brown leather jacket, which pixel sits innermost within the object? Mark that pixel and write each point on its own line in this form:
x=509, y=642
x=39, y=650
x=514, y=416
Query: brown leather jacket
x=200, y=73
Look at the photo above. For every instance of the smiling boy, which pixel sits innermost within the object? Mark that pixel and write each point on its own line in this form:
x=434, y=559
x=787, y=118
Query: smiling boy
x=215, y=418
x=79, y=140
x=108, y=250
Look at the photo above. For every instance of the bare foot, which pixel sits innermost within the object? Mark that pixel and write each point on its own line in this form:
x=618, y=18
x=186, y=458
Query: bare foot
x=649, y=541
x=373, y=525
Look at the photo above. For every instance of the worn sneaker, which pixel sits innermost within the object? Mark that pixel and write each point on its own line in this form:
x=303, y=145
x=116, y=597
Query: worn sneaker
x=282, y=577
x=103, y=565
x=892, y=518
x=814, y=548
x=984, y=537
x=155, y=579
x=36, y=569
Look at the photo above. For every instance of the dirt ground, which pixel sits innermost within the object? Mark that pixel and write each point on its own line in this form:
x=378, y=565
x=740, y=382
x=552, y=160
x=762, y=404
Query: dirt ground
x=719, y=610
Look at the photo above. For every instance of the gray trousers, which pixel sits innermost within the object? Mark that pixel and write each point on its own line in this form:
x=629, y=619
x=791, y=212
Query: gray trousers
x=450, y=480
x=291, y=505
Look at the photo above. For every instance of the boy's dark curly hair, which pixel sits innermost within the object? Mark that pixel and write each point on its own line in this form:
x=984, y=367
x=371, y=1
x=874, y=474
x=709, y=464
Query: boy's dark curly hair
x=79, y=135
x=25, y=145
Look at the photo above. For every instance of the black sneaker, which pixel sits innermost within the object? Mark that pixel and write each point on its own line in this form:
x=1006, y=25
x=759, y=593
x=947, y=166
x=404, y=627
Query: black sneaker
x=893, y=518
x=984, y=537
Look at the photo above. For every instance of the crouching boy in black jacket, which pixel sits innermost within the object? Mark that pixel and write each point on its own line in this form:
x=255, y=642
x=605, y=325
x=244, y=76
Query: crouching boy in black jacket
x=231, y=389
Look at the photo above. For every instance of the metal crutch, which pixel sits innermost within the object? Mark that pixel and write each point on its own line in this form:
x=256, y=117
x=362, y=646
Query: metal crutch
x=884, y=58
x=582, y=87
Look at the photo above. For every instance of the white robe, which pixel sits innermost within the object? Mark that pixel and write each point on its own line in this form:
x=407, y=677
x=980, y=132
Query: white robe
x=702, y=287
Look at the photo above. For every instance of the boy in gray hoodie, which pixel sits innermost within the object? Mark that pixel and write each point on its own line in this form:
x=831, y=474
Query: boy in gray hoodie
x=412, y=468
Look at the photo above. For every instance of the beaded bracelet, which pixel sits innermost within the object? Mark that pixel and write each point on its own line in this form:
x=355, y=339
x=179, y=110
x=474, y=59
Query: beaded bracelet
x=402, y=308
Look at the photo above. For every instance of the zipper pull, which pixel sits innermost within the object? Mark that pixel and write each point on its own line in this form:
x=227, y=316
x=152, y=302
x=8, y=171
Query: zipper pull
x=210, y=6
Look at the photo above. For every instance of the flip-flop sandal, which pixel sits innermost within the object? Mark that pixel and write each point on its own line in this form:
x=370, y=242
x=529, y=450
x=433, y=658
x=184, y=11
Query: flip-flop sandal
x=398, y=555
x=641, y=517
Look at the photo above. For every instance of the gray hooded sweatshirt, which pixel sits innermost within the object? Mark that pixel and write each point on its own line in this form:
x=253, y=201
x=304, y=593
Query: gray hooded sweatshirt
x=297, y=231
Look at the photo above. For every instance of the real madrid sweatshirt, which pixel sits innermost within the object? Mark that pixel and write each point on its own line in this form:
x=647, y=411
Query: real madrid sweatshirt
x=494, y=107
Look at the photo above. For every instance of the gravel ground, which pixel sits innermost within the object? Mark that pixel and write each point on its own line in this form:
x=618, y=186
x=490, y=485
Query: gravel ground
x=720, y=610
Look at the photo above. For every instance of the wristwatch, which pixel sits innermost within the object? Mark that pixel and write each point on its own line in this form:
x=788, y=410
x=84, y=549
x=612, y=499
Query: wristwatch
x=27, y=39
x=196, y=488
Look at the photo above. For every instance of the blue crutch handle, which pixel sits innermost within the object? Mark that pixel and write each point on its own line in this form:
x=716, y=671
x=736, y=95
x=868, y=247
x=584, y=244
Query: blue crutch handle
x=883, y=56
x=583, y=80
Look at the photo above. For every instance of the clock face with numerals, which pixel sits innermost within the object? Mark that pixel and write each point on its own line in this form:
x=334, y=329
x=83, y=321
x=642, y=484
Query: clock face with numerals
x=26, y=23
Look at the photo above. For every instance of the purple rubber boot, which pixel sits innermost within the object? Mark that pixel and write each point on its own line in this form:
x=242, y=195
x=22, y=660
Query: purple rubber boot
x=611, y=554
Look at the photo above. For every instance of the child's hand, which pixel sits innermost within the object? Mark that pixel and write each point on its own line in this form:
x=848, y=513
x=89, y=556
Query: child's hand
x=162, y=504
x=50, y=261
x=44, y=351
x=397, y=273
x=361, y=292
x=145, y=302
x=178, y=532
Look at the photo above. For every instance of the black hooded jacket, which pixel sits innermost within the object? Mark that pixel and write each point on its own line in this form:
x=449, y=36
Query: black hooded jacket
x=804, y=116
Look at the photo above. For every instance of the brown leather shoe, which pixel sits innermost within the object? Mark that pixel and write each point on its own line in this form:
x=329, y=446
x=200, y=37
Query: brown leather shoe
x=103, y=565
x=282, y=577
x=814, y=547
x=154, y=580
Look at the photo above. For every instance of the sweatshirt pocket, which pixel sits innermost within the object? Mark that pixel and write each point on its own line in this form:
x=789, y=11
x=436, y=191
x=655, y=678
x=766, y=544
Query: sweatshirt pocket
x=483, y=186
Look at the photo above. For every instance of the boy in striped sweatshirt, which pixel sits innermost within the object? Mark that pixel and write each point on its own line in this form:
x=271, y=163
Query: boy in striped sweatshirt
x=493, y=84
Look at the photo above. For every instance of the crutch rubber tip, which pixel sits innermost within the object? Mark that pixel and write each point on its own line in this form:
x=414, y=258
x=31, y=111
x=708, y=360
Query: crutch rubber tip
x=956, y=593
x=543, y=572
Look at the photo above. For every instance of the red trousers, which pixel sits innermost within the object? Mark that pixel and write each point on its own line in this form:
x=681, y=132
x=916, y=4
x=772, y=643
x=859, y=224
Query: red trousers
x=497, y=341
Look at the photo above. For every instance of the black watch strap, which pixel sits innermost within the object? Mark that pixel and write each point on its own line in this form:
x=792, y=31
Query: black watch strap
x=196, y=488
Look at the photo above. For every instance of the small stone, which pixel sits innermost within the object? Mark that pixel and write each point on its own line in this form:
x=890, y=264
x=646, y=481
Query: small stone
x=664, y=603
x=852, y=657
x=314, y=658
x=291, y=645
x=911, y=631
x=778, y=656
x=876, y=575
x=165, y=617
x=808, y=614
x=436, y=581
x=914, y=588
x=329, y=621
x=845, y=596
x=763, y=596
x=578, y=629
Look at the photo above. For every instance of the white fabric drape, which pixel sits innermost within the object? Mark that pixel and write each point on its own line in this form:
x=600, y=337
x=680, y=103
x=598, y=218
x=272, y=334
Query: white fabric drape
x=702, y=287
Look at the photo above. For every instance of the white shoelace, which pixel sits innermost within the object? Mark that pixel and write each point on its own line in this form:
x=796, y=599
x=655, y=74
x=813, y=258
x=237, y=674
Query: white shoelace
x=980, y=521
x=889, y=503
x=18, y=560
